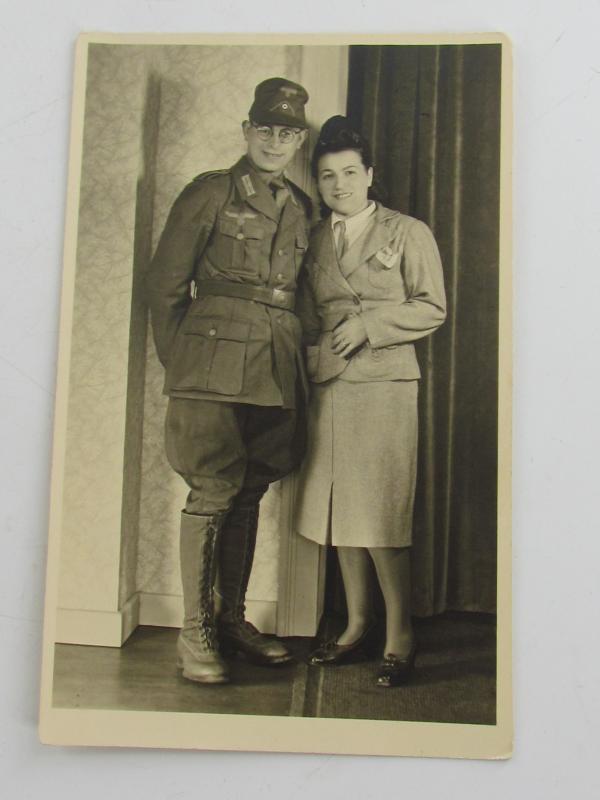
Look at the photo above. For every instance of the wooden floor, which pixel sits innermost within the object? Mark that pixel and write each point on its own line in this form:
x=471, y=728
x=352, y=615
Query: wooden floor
x=454, y=679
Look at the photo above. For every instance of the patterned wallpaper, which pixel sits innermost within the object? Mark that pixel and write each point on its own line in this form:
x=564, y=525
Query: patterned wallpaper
x=155, y=118
x=205, y=94
x=142, y=252
x=93, y=487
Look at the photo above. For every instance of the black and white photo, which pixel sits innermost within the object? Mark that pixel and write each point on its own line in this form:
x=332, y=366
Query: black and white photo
x=280, y=514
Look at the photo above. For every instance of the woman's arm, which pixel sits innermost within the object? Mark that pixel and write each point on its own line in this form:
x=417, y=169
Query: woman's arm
x=306, y=305
x=424, y=310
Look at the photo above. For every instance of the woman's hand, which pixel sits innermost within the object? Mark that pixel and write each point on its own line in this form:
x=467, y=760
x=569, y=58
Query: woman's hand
x=348, y=336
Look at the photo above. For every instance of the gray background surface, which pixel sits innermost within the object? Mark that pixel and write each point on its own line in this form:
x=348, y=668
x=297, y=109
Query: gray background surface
x=556, y=430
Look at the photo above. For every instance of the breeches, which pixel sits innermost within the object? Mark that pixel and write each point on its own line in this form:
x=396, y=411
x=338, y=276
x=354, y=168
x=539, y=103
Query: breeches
x=228, y=450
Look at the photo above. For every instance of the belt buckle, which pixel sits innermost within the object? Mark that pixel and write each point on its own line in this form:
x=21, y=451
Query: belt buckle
x=279, y=297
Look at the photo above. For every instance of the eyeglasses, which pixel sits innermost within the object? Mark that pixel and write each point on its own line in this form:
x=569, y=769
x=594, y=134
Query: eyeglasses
x=266, y=132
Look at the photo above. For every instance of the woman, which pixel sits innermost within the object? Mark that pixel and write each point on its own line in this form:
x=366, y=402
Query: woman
x=373, y=285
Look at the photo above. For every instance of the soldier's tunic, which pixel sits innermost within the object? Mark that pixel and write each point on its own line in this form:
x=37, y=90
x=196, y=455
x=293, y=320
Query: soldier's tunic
x=357, y=482
x=221, y=292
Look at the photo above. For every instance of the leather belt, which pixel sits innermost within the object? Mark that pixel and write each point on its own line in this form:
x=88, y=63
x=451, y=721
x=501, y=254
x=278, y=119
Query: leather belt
x=278, y=298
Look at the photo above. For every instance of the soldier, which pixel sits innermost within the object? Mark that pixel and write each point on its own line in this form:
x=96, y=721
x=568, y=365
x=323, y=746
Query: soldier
x=221, y=291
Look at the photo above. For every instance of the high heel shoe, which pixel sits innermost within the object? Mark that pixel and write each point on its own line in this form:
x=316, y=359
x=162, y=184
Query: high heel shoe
x=395, y=670
x=331, y=653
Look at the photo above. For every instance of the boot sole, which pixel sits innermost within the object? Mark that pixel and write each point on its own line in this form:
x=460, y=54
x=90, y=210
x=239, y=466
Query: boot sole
x=205, y=679
x=257, y=660
x=215, y=680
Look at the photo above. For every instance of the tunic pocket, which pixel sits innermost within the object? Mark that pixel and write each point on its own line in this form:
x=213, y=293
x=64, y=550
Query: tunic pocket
x=238, y=246
x=210, y=356
x=253, y=238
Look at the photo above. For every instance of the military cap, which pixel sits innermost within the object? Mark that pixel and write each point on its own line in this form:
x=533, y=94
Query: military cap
x=278, y=101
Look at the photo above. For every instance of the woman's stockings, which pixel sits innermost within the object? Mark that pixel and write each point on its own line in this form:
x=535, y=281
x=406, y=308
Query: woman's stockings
x=356, y=570
x=393, y=571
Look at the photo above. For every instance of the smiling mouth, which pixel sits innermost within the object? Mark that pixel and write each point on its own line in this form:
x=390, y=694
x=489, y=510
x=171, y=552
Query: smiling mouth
x=342, y=195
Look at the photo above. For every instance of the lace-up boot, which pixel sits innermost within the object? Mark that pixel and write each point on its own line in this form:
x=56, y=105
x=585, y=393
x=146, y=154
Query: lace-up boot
x=197, y=644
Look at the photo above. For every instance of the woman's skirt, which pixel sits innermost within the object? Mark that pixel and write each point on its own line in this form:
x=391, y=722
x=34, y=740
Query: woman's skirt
x=357, y=483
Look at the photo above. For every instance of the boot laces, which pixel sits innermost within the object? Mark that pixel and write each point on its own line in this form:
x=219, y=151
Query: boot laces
x=206, y=613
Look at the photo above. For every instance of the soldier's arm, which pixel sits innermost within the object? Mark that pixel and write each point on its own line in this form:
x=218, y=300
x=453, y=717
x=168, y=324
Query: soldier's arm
x=424, y=309
x=306, y=306
x=186, y=233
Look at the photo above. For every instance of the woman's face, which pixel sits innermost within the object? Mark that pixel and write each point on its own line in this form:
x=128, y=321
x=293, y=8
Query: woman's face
x=344, y=182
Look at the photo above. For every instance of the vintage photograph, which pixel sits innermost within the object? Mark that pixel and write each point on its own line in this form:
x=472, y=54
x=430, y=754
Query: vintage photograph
x=280, y=511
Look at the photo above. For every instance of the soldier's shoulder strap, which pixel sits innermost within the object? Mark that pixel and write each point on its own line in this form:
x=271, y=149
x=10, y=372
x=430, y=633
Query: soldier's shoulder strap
x=217, y=183
x=211, y=175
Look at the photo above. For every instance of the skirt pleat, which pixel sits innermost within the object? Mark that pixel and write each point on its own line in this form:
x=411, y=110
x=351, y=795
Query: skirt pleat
x=357, y=483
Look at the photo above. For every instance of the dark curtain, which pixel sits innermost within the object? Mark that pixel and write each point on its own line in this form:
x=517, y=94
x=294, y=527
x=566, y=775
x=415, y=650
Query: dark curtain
x=432, y=115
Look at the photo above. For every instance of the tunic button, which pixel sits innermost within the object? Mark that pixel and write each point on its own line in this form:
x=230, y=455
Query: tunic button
x=356, y=300
x=281, y=252
x=280, y=276
x=212, y=332
x=239, y=235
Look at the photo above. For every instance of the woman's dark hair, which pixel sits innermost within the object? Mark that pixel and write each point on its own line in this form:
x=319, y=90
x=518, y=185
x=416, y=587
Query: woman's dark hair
x=336, y=135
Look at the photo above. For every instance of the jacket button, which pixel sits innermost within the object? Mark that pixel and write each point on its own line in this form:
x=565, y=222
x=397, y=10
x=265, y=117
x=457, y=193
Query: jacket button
x=239, y=235
x=212, y=332
x=281, y=252
x=280, y=276
x=356, y=300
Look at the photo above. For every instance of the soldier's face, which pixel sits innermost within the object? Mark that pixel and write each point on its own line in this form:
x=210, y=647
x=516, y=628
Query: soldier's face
x=271, y=155
x=344, y=181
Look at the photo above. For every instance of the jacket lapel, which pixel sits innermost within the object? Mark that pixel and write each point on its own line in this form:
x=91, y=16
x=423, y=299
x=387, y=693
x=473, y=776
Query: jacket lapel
x=324, y=254
x=291, y=211
x=253, y=190
x=288, y=227
x=374, y=238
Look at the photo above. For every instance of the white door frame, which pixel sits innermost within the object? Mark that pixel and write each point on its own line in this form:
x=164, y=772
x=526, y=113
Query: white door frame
x=324, y=74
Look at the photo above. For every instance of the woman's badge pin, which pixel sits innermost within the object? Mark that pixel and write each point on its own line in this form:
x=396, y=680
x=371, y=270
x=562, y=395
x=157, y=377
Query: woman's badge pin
x=388, y=257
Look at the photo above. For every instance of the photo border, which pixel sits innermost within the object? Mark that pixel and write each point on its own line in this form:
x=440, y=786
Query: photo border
x=195, y=730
